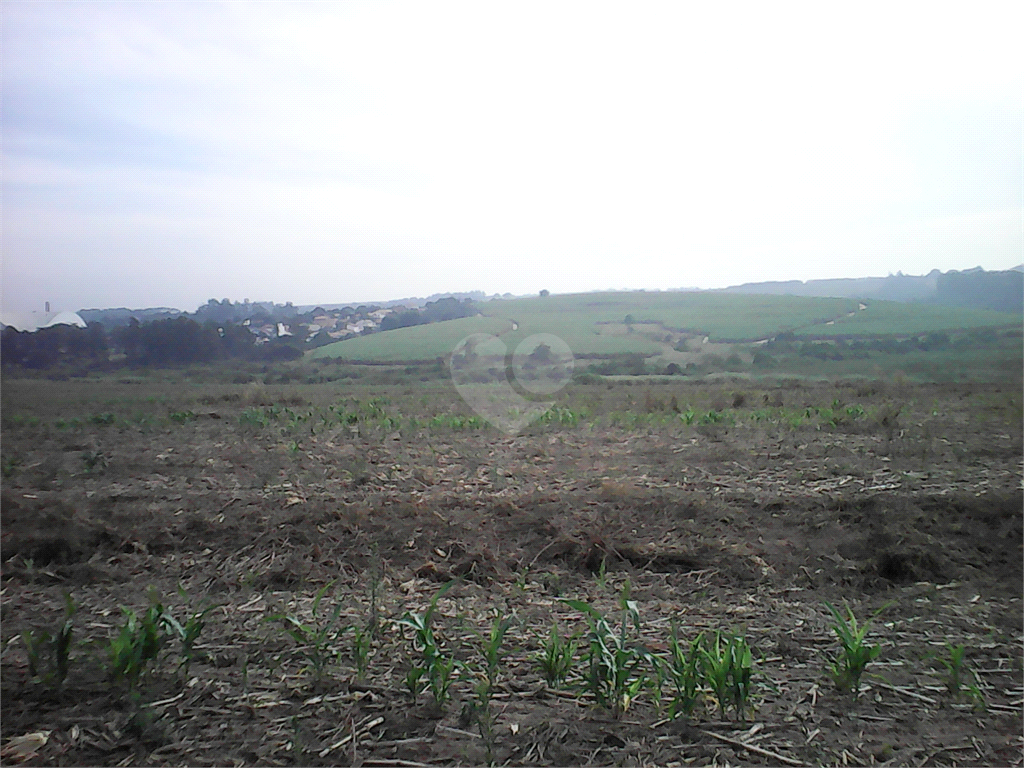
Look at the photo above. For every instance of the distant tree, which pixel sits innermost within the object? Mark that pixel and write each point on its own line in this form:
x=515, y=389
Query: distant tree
x=129, y=339
x=545, y=292
x=401, y=320
x=541, y=353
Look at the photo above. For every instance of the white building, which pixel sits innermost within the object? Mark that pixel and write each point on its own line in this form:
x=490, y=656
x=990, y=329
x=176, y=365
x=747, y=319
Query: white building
x=33, y=321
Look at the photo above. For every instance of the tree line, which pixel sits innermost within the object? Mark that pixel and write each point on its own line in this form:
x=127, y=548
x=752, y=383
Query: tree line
x=448, y=308
x=163, y=343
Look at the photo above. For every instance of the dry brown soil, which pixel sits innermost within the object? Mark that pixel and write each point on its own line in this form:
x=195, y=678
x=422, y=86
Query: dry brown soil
x=747, y=528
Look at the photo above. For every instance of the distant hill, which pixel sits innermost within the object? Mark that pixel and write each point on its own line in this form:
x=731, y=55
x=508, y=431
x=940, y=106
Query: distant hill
x=1000, y=291
x=411, y=301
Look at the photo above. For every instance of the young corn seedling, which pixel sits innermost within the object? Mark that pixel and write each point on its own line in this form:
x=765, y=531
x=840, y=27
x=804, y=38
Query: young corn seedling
x=602, y=574
x=140, y=641
x=189, y=634
x=434, y=669
x=956, y=670
x=683, y=669
x=364, y=635
x=727, y=663
x=362, y=638
x=314, y=639
x=614, y=662
x=846, y=670
x=556, y=658
x=490, y=648
x=479, y=710
x=49, y=655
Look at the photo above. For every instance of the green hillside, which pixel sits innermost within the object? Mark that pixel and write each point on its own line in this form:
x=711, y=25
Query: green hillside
x=418, y=342
x=594, y=324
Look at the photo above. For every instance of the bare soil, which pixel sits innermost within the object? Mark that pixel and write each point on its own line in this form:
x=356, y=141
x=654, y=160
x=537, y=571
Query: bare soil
x=749, y=528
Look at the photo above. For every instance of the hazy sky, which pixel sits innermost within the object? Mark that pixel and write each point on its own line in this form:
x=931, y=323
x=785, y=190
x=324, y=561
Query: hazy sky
x=163, y=153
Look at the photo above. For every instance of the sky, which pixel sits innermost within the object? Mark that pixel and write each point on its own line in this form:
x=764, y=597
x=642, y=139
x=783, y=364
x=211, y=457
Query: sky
x=165, y=153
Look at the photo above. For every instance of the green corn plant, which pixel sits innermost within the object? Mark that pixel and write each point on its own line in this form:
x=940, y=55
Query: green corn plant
x=727, y=664
x=954, y=667
x=315, y=638
x=847, y=668
x=95, y=462
x=490, y=647
x=602, y=574
x=479, y=709
x=614, y=661
x=9, y=465
x=556, y=657
x=140, y=641
x=956, y=670
x=376, y=592
x=189, y=632
x=361, y=641
x=433, y=668
x=441, y=673
x=49, y=655
x=364, y=635
x=683, y=669
x=415, y=681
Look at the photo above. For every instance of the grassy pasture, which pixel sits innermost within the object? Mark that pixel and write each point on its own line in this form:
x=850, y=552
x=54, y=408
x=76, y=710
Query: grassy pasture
x=419, y=342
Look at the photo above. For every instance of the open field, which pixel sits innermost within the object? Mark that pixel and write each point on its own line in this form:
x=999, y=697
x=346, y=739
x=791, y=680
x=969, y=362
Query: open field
x=893, y=318
x=718, y=315
x=739, y=506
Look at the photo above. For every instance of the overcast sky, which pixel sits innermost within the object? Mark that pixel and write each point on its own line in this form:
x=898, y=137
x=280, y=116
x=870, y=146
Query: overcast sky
x=163, y=153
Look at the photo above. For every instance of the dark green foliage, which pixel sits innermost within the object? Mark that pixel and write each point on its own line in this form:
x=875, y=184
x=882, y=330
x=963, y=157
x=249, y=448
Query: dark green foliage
x=54, y=346
x=448, y=308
